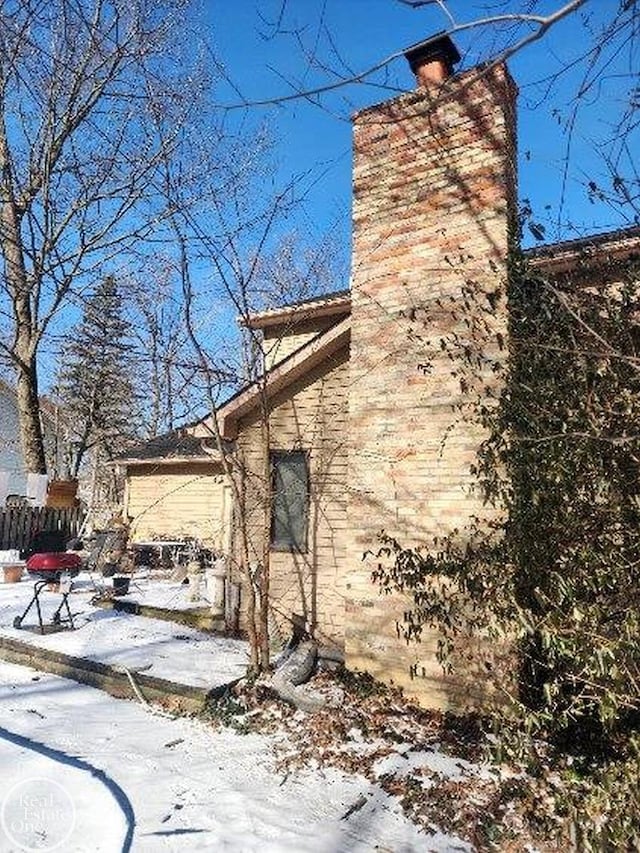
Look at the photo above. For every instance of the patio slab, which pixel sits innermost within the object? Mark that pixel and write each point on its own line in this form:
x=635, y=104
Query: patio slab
x=150, y=648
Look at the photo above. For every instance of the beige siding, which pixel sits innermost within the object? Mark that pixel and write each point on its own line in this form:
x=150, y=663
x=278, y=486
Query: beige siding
x=311, y=415
x=173, y=501
x=282, y=340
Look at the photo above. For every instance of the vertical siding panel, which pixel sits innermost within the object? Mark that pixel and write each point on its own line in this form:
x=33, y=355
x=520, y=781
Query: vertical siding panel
x=309, y=415
x=174, y=501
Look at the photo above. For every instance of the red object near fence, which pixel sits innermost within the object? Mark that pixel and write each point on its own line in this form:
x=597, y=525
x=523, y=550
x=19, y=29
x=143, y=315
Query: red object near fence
x=54, y=563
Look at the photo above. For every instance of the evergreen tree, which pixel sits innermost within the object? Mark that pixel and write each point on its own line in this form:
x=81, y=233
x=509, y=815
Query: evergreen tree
x=96, y=385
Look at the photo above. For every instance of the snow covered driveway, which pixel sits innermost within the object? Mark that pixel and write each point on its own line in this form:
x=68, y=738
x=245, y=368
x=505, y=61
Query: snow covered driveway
x=95, y=773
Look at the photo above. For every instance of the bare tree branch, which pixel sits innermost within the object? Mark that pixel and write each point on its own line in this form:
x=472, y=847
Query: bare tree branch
x=542, y=24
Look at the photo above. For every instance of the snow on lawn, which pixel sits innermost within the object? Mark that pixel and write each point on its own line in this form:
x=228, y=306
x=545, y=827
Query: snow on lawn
x=405, y=760
x=90, y=772
x=164, y=649
x=147, y=587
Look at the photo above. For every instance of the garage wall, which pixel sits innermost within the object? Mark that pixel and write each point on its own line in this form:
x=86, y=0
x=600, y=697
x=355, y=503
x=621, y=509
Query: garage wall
x=173, y=501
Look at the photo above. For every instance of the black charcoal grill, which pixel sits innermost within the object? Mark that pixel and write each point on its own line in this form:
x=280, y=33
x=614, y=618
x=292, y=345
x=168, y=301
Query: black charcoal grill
x=53, y=570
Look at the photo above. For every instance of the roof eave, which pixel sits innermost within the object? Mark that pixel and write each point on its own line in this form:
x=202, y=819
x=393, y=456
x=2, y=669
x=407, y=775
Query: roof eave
x=283, y=374
x=316, y=309
x=597, y=250
x=213, y=459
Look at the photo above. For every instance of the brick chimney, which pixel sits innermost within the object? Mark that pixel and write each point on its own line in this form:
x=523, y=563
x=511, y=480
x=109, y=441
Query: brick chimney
x=434, y=192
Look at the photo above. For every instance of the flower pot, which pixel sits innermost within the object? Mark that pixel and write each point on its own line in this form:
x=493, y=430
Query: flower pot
x=120, y=586
x=12, y=574
x=61, y=494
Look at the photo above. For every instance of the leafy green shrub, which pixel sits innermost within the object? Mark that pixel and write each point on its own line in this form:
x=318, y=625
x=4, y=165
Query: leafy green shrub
x=602, y=805
x=558, y=574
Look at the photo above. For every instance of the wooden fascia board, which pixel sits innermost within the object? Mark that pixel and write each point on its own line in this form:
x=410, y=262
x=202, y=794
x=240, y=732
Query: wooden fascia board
x=301, y=362
x=165, y=460
x=596, y=255
x=298, y=313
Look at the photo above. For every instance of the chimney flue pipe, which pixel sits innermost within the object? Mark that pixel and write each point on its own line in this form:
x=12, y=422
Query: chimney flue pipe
x=432, y=61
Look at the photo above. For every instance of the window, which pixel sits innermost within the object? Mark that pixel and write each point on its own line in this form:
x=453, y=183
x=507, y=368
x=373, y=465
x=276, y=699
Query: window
x=290, y=500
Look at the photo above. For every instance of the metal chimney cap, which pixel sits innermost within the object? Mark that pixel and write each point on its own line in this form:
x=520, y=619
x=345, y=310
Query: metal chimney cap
x=437, y=47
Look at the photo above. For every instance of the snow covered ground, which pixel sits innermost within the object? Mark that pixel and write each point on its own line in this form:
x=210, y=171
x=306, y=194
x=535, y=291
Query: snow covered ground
x=164, y=649
x=155, y=588
x=87, y=772
x=82, y=771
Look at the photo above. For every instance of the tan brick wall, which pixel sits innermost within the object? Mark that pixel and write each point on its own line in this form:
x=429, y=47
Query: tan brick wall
x=433, y=193
x=172, y=501
x=378, y=650
x=310, y=415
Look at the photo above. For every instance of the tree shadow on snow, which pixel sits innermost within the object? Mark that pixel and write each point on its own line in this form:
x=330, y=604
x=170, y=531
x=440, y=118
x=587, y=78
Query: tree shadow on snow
x=123, y=802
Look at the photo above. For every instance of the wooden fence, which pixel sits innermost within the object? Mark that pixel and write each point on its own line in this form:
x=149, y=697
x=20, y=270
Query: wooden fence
x=19, y=525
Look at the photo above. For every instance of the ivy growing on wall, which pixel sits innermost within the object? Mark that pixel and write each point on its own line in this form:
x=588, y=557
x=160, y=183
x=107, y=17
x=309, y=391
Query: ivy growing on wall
x=556, y=574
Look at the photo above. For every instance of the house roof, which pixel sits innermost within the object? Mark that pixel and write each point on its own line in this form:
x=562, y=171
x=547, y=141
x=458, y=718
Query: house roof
x=176, y=446
x=183, y=445
x=319, y=348
x=559, y=257
x=620, y=243
x=326, y=305
x=552, y=257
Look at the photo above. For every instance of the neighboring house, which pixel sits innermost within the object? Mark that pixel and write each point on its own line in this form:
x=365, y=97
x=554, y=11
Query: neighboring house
x=365, y=425
x=12, y=468
x=175, y=488
x=13, y=473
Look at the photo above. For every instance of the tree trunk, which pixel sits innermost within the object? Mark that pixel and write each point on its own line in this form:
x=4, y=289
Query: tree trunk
x=263, y=611
x=29, y=414
x=25, y=342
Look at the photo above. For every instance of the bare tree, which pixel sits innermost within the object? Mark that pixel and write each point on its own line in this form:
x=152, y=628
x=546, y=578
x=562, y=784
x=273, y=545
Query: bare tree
x=166, y=372
x=231, y=261
x=238, y=276
x=588, y=84
x=523, y=24
x=79, y=156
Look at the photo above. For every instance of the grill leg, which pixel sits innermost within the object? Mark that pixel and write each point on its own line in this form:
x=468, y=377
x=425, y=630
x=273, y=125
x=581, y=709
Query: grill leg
x=37, y=596
x=57, y=619
x=37, y=589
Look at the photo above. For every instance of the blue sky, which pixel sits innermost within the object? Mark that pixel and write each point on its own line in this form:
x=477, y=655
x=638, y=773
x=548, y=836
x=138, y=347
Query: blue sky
x=264, y=59
x=266, y=55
